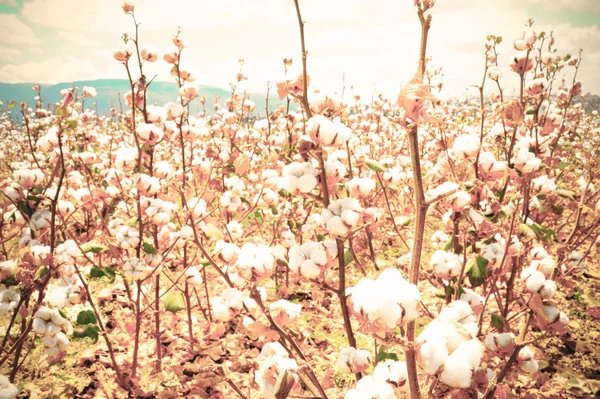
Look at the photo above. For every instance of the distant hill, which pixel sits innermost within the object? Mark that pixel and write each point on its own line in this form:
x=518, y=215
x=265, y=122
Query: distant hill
x=590, y=103
x=110, y=90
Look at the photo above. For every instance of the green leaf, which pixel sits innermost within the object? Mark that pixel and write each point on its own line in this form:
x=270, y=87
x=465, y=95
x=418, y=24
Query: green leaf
x=90, y=332
x=320, y=238
x=96, y=272
x=42, y=271
x=449, y=290
x=530, y=111
x=61, y=112
x=347, y=258
x=562, y=165
x=24, y=208
x=149, y=248
x=382, y=355
x=11, y=105
x=86, y=317
x=448, y=245
x=258, y=217
x=499, y=322
x=174, y=301
x=499, y=39
x=376, y=166
x=477, y=270
x=108, y=272
x=132, y=222
x=93, y=247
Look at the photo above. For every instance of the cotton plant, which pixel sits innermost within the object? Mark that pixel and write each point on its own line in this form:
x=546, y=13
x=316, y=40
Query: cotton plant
x=448, y=346
x=388, y=381
x=53, y=328
x=384, y=303
x=341, y=216
x=310, y=258
x=298, y=177
x=276, y=372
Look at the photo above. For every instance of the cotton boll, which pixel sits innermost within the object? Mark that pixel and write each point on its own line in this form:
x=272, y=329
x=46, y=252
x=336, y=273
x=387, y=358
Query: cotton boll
x=548, y=289
x=350, y=217
x=457, y=372
x=471, y=352
x=336, y=226
x=432, y=354
x=534, y=279
x=306, y=183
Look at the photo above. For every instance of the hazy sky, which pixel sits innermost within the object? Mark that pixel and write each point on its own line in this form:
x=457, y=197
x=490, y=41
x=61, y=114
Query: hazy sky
x=373, y=43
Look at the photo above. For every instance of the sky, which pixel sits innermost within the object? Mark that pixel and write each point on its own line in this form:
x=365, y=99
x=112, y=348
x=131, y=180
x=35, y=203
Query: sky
x=371, y=45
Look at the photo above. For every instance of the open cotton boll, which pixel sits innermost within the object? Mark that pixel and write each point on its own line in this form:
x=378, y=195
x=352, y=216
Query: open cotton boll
x=392, y=372
x=503, y=343
x=534, y=279
x=376, y=389
x=306, y=183
x=466, y=146
x=474, y=299
x=193, y=277
x=445, y=264
x=7, y=390
x=470, y=351
x=432, y=354
x=354, y=360
x=456, y=371
x=548, y=289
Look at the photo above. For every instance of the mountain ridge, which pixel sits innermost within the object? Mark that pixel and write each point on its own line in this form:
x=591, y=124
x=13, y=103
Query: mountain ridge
x=110, y=91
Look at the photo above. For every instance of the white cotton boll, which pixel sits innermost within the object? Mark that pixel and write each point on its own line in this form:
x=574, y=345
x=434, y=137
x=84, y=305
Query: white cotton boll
x=393, y=371
x=376, y=389
x=534, y=279
x=551, y=313
x=306, y=183
x=193, y=277
x=360, y=360
x=52, y=329
x=319, y=256
x=457, y=372
x=530, y=366
x=309, y=269
x=350, y=217
x=233, y=298
x=474, y=299
x=446, y=264
x=39, y=326
x=43, y=313
x=520, y=45
x=336, y=226
x=548, y=289
x=7, y=390
x=471, y=352
x=466, y=146
x=56, y=317
x=288, y=183
x=529, y=37
x=460, y=200
x=221, y=311
x=433, y=354
x=57, y=297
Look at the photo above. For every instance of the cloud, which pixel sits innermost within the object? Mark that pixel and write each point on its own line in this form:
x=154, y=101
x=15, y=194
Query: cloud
x=9, y=53
x=374, y=44
x=50, y=71
x=14, y=31
x=578, y=5
x=79, y=39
